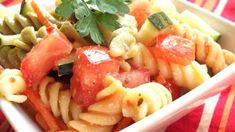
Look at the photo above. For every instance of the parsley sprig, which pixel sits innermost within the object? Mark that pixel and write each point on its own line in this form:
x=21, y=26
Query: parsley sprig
x=91, y=13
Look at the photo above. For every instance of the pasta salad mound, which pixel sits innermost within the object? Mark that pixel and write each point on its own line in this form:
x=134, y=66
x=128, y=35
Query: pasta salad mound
x=102, y=65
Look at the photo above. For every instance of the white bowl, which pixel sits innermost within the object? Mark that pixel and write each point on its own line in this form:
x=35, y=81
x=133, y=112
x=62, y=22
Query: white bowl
x=175, y=110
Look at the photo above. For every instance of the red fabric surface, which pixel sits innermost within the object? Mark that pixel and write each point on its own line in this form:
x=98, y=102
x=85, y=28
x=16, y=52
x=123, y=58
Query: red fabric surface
x=223, y=113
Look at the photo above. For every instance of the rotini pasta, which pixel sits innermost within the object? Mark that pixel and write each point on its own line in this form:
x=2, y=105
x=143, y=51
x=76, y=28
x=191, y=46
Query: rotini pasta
x=11, y=57
x=207, y=50
x=26, y=39
x=105, y=113
x=145, y=99
x=11, y=26
x=144, y=58
x=71, y=33
x=12, y=83
x=53, y=94
x=188, y=76
x=123, y=41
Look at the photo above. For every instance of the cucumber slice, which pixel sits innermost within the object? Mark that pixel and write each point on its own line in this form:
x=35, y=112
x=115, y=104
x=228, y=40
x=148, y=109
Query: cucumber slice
x=196, y=22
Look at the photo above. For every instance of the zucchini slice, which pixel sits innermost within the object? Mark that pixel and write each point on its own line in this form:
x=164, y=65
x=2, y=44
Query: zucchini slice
x=198, y=23
x=160, y=20
x=152, y=26
x=65, y=66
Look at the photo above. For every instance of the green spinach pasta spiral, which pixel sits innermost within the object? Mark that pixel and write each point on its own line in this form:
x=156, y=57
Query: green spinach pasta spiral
x=10, y=26
x=23, y=42
x=14, y=47
x=10, y=57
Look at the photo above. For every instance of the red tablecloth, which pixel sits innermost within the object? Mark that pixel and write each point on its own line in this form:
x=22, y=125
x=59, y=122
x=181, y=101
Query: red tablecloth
x=218, y=113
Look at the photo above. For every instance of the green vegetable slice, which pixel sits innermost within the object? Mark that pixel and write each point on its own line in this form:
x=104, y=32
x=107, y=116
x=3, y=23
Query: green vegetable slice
x=160, y=20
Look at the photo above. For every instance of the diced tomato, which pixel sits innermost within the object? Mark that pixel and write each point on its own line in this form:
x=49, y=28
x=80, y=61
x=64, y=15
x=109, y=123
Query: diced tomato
x=174, y=49
x=170, y=85
x=133, y=78
x=140, y=9
x=44, y=56
x=92, y=63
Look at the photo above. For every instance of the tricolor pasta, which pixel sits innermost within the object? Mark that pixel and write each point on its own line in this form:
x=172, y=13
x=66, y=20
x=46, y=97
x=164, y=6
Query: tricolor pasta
x=144, y=60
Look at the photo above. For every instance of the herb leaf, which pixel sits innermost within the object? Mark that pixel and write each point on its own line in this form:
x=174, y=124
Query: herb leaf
x=91, y=13
x=88, y=26
x=112, y=6
x=65, y=9
x=109, y=21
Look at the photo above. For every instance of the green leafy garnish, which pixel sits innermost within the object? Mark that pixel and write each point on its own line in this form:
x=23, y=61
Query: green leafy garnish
x=92, y=13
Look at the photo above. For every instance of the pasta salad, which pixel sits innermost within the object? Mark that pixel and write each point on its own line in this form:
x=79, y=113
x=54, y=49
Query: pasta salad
x=102, y=65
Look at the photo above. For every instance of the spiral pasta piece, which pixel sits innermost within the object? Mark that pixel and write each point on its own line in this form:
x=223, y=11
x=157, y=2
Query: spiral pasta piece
x=105, y=113
x=11, y=57
x=207, y=50
x=11, y=26
x=23, y=42
x=144, y=100
x=144, y=58
x=26, y=39
x=123, y=43
x=186, y=76
x=53, y=94
x=12, y=83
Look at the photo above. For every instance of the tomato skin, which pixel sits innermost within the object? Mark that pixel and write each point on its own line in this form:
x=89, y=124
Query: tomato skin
x=140, y=9
x=174, y=49
x=170, y=85
x=92, y=63
x=133, y=78
x=44, y=56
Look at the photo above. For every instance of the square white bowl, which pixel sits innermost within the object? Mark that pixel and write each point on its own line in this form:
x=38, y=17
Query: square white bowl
x=175, y=110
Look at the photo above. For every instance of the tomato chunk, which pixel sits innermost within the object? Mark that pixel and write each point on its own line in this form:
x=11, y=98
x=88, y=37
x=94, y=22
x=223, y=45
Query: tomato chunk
x=92, y=63
x=170, y=85
x=44, y=56
x=174, y=49
x=140, y=9
x=133, y=78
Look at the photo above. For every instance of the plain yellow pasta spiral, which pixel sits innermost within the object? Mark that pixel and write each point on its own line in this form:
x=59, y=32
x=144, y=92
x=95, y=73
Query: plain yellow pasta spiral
x=186, y=76
x=53, y=94
x=144, y=100
x=144, y=58
x=123, y=42
x=105, y=113
x=208, y=51
x=11, y=84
